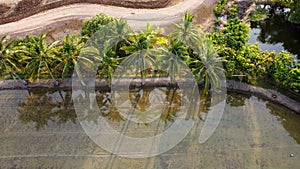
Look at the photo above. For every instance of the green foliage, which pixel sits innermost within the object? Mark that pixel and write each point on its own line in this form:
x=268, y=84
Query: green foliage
x=234, y=35
x=255, y=64
x=34, y=58
x=248, y=61
x=8, y=59
x=67, y=55
x=228, y=55
x=285, y=71
x=38, y=57
x=220, y=7
x=295, y=17
x=93, y=24
x=237, y=33
x=294, y=79
x=294, y=5
x=283, y=63
x=251, y=61
x=258, y=15
x=233, y=11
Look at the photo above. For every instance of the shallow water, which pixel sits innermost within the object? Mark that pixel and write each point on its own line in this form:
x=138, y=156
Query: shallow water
x=276, y=34
x=40, y=130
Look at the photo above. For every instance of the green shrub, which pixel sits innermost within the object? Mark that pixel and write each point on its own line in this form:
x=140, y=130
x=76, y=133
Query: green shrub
x=228, y=55
x=294, y=79
x=93, y=24
x=219, y=8
x=237, y=33
x=295, y=17
x=233, y=11
x=249, y=61
x=286, y=72
x=283, y=63
x=258, y=15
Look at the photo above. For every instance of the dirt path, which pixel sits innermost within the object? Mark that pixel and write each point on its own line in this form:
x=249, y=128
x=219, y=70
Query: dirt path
x=137, y=18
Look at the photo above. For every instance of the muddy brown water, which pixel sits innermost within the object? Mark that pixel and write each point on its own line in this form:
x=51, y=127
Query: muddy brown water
x=39, y=129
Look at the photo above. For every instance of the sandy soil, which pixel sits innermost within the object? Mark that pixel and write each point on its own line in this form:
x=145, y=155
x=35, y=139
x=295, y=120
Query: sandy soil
x=19, y=9
x=137, y=18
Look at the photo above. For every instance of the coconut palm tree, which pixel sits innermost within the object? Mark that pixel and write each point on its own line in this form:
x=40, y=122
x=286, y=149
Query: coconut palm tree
x=38, y=56
x=207, y=65
x=184, y=39
x=100, y=51
x=187, y=32
x=87, y=63
x=68, y=54
x=115, y=32
x=179, y=49
x=172, y=64
x=204, y=61
x=8, y=61
x=141, y=47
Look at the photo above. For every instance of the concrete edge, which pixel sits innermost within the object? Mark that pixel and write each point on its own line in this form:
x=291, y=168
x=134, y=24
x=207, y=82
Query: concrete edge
x=268, y=94
x=234, y=86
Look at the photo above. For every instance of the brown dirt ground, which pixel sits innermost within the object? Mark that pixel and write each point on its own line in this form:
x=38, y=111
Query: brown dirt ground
x=26, y=8
x=3, y=9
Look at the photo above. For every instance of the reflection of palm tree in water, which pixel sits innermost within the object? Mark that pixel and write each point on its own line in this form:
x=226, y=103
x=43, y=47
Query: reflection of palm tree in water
x=108, y=110
x=173, y=104
x=141, y=100
x=42, y=107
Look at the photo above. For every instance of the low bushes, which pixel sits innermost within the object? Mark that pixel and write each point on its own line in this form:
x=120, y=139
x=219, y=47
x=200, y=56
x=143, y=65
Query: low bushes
x=92, y=25
x=220, y=7
x=249, y=61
